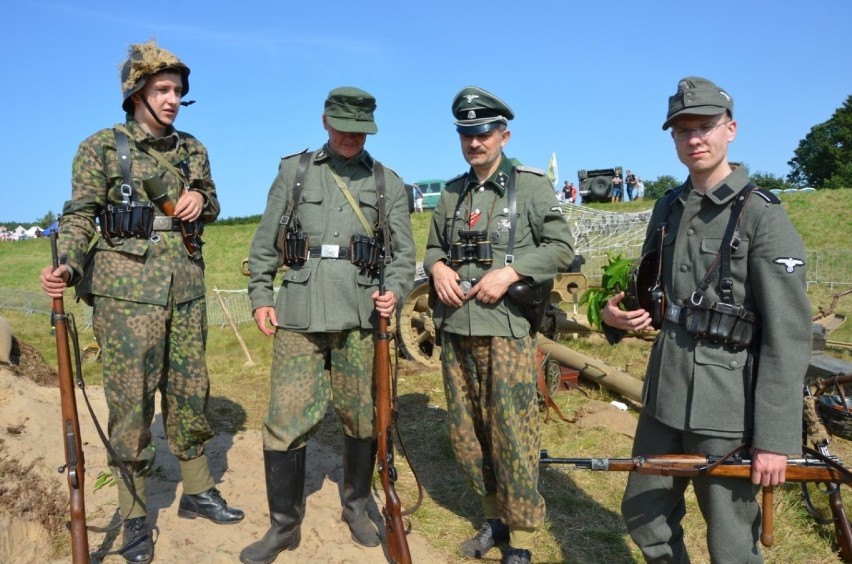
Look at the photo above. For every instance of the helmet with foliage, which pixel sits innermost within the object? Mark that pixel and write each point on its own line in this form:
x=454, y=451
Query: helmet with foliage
x=144, y=61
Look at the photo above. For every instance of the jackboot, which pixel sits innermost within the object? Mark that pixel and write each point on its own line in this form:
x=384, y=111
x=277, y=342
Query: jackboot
x=359, y=457
x=491, y=533
x=285, y=493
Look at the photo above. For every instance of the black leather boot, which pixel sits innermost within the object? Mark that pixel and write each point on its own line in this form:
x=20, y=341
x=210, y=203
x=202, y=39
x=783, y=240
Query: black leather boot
x=517, y=556
x=359, y=457
x=491, y=533
x=211, y=505
x=285, y=493
x=138, y=546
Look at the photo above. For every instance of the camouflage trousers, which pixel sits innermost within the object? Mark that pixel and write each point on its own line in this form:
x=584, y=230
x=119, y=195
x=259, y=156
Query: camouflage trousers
x=146, y=348
x=302, y=389
x=492, y=411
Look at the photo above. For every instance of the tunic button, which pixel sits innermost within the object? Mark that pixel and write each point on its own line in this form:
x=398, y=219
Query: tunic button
x=684, y=268
x=340, y=208
x=336, y=234
x=691, y=231
x=733, y=364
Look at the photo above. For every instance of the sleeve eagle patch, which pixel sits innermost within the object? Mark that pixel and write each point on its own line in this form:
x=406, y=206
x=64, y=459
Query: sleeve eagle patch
x=790, y=263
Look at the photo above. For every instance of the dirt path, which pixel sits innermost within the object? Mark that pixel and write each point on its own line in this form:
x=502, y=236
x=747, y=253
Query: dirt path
x=30, y=435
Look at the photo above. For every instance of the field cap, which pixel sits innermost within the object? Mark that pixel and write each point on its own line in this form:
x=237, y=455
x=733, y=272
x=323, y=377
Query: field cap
x=478, y=111
x=350, y=110
x=698, y=96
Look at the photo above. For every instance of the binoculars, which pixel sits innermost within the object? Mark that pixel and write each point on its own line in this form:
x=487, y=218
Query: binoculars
x=473, y=246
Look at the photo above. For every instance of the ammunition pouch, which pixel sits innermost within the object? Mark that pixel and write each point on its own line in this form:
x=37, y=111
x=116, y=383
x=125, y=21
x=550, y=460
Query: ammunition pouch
x=720, y=322
x=473, y=246
x=292, y=246
x=532, y=298
x=128, y=219
x=365, y=253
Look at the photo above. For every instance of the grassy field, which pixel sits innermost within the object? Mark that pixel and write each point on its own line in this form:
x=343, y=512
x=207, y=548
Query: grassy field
x=583, y=522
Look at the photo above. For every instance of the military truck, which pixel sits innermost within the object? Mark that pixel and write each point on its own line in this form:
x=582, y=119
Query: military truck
x=596, y=185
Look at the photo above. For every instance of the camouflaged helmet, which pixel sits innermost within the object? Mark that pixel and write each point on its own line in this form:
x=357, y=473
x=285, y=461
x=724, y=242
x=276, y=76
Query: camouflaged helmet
x=144, y=61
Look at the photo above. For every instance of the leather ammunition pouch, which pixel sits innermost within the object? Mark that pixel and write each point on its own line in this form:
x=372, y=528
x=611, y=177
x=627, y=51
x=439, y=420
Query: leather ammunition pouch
x=128, y=219
x=365, y=253
x=719, y=322
x=293, y=247
x=532, y=298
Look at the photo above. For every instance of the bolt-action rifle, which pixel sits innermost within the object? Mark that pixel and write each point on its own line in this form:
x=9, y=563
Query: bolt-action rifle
x=74, y=461
x=813, y=467
x=385, y=417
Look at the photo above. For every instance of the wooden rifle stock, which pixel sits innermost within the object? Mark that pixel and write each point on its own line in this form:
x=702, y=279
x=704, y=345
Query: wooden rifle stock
x=74, y=460
x=392, y=511
x=842, y=529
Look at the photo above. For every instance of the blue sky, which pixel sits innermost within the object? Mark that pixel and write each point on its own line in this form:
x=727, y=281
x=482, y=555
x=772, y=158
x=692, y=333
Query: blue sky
x=587, y=80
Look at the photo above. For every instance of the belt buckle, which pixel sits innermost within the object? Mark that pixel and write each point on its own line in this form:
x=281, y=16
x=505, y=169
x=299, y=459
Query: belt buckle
x=465, y=286
x=330, y=251
x=162, y=223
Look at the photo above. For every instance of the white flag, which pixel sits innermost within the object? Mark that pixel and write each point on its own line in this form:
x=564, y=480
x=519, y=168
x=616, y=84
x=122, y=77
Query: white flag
x=553, y=171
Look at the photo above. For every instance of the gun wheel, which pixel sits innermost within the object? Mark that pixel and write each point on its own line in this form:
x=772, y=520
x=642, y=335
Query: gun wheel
x=416, y=329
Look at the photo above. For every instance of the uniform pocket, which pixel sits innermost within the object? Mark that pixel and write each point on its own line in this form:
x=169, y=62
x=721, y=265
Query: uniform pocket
x=721, y=392
x=294, y=299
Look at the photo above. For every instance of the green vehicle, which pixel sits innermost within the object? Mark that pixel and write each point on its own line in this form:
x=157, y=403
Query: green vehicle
x=431, y=190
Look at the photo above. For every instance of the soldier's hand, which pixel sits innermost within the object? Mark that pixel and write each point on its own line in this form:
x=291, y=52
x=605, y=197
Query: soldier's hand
x=446, y=282
x=385, y=303
x=266, y=320
x=493, y=285
x=617, y=318
x=54, y=282
x=767, y=468
x=189, y=205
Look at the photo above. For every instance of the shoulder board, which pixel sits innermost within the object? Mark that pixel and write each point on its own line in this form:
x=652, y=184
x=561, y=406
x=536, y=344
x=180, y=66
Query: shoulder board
x=295, y=154
x=537, y=171
x=767, y=195
x=453, y=179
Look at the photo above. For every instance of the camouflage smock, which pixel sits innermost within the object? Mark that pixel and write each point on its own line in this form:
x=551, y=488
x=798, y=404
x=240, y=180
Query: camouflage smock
x=138, y=270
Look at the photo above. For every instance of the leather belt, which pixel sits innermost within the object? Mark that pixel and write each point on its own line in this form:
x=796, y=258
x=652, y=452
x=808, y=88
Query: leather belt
x=166, y=223
x=330, y=252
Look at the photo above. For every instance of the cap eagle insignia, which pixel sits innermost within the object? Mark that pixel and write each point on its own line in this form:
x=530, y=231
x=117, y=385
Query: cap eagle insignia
x=790, y=264
x=470, y=97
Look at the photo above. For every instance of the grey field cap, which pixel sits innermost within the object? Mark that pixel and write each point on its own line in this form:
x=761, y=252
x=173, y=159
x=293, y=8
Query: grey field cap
x=698, y=96
x=478, y=111
x=350, y=110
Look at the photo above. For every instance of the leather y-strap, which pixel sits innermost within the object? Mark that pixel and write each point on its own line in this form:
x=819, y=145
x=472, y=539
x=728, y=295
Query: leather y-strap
x=160, y=157
x=298, y=184
x=722, y=260
x=513, y=217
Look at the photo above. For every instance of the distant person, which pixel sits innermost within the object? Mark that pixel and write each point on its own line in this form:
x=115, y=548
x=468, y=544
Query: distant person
x=418, y=199
x=149, y=311
x=617, y=185
x=476, y=249
x=728, y=364
x=630, y=186
x=640, y=189
x=326, y=313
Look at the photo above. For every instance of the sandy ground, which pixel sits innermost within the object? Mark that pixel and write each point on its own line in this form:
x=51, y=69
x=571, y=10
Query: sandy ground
x=30, y=431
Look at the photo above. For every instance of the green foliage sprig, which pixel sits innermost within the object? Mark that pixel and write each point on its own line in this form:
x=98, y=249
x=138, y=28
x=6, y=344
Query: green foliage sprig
x=616, y=274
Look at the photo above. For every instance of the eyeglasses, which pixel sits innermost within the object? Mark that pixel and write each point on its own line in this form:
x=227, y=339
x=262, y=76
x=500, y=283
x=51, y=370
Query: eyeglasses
x=683, y=133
